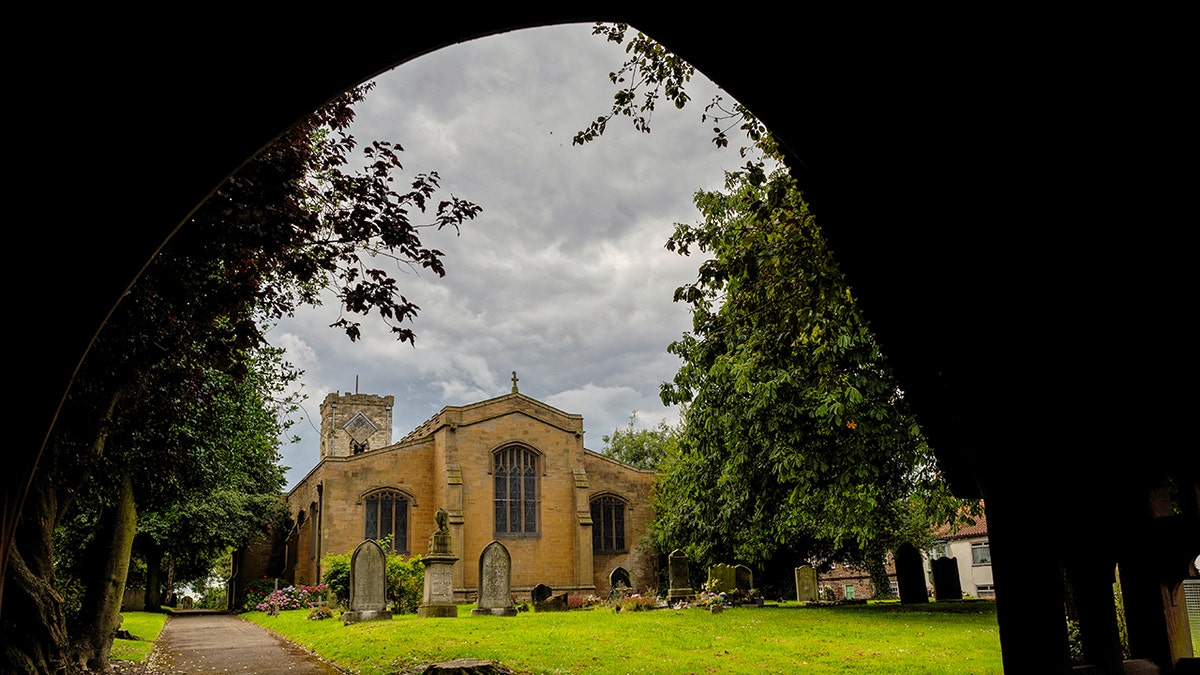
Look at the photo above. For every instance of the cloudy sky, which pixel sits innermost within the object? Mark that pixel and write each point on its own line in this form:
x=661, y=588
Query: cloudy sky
x=563, y=278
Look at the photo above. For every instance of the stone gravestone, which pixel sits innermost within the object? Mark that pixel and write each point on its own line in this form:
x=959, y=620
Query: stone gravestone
x=437, y=597
x=946, y=584
x=368, y=584
x=556, y=603
x=540, y=592
x=806, y=584
x=495, y=582
x=721, y=578
x=743, y=579
x=910, y=574
x=677, y=570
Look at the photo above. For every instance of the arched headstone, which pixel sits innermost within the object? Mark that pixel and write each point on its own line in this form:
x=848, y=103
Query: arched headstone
x=495, y=582
x=368, y=584
x=677, y=570
x=946, y=583
x=721, y=578
x=910, y=574
x=806, y=584
x=743, y=578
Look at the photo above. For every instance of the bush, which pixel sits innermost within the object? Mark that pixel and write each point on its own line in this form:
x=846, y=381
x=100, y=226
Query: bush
x=405, y=580
x=257, y=591
x=337, y=576
x=293, y=597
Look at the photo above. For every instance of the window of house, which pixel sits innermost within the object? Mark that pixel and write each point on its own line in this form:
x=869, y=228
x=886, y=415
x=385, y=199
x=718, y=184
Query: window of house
x=938, y=550
x=981, y=553
x=849, y=591
x=608, y=525
x=514, y=473
x=387, y=516
x=985, y=591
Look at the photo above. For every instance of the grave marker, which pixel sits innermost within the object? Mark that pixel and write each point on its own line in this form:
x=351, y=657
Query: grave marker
x=806, y=584
x=946, y=583
x=437, y=597
x=495, y=582
x=680, y=588
x=368, y=584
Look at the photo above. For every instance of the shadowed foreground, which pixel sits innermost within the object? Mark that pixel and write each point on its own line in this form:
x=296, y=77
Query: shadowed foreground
x=205, y=642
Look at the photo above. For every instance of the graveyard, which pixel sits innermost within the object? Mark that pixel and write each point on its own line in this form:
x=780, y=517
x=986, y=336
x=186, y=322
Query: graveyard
x=776, y=638
x=719, y=625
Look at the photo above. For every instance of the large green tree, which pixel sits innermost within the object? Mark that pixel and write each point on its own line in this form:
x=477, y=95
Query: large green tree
x=796, y=436
x=644, y=447
x=796, y=441
x=298, y=219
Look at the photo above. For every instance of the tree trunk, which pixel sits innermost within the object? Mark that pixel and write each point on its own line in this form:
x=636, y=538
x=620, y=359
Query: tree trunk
x=153, y=553
x=100, y=615
x=33, y=629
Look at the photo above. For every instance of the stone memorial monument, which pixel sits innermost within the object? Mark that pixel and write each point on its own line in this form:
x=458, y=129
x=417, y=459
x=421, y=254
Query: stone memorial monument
x=677, y=570
x=495, y=582
x=721, y=578
x=743, y=579
x=541, y=592
x=910, y=574
x=946, y=583
x=437, y=598
x=368, y=584
x=806, y=584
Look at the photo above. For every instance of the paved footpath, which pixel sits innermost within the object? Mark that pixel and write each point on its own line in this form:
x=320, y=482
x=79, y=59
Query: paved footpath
x=204, y=642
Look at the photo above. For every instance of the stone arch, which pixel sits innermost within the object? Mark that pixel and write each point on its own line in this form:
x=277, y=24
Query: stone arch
x=619, y=575
x=937, y=373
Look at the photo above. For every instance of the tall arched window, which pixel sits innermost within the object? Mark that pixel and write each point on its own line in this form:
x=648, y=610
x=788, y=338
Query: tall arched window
x=387, y=514
x=608, y=525
x=514, y=472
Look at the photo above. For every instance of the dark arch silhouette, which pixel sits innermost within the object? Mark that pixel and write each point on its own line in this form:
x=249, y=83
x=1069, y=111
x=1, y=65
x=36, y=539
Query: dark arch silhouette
x=1002, y=190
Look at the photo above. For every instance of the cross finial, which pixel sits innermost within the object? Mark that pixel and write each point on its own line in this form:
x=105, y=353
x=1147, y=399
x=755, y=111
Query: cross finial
x=514, y=378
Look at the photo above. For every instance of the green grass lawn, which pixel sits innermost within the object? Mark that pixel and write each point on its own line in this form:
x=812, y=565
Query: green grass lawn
x=878, y=638
x=145, y=625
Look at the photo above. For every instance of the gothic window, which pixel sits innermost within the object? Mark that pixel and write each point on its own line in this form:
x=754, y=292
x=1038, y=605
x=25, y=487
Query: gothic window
x=514, y=472
x=608, y=525
x=387, y=515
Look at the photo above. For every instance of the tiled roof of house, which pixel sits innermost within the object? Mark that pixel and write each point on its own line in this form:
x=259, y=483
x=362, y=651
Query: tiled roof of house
x=979, y=529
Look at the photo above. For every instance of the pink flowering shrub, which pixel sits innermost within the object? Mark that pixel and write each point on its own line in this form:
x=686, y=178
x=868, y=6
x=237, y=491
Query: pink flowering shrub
x=294, y=597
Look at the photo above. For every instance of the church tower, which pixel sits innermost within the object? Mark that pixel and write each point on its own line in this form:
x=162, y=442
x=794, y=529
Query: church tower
x=355, y=423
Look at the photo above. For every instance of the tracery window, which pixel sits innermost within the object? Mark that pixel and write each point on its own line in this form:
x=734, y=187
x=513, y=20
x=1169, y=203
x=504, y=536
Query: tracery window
x=387, y=515
x=514, y=474
x=608, y=525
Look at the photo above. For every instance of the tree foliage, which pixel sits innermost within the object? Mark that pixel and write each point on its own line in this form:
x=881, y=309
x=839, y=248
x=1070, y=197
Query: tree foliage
x=176, y=406
x=796, y=440
x=795, y=429
x=643, y=448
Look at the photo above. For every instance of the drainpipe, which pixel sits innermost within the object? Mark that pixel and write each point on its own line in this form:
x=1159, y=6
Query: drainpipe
x=320, y=530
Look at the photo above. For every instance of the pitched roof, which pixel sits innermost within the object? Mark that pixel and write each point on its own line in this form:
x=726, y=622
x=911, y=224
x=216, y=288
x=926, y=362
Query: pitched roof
x=963, y=531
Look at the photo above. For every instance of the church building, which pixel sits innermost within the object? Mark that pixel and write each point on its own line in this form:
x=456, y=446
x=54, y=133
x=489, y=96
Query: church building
x=510, y=469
